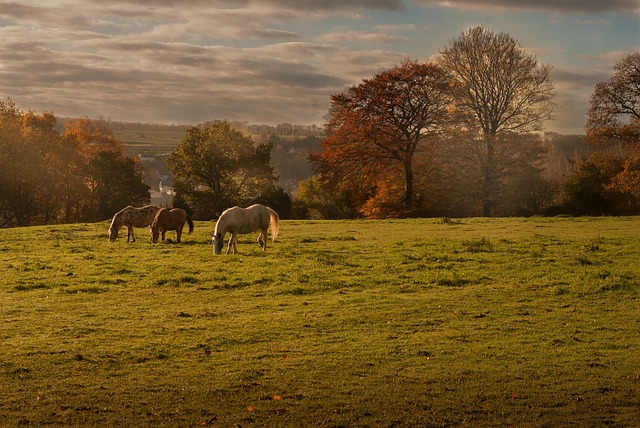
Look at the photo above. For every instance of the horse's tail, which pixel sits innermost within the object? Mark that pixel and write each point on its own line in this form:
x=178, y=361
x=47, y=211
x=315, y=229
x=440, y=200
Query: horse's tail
x=190, y=224
x=275, y=224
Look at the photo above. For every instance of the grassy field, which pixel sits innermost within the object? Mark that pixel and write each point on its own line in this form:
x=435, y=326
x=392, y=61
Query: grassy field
x=399, y=323
x=149, y=142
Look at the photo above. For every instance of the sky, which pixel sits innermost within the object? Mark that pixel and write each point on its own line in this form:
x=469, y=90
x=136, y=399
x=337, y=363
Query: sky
x=274, y=61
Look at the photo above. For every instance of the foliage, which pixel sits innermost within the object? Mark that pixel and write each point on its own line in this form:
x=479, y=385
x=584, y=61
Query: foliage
x=614, y=112
x=588, y=189
x=499, y=90
x=216, y=167
x=115, y=183
x=463, y=170
x=50, y=177
x=527, y=192
x=377, y=323
x=319, y=200
x=375, y=129
x=614, y=116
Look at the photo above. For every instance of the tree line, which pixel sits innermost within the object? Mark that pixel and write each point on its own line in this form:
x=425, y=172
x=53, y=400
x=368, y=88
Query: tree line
x=79, y=173
x=461, y=136
x=457, y=136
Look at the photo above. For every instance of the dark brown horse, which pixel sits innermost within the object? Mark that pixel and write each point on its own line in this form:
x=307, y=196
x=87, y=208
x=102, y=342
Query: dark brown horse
x=169, y=220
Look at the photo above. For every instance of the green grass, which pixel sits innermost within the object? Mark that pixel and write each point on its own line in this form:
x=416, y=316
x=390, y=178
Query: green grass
x=149, y=142
x=396, y=323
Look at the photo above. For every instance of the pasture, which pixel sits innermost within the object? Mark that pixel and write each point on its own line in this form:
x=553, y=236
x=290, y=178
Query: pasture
x=396, y=323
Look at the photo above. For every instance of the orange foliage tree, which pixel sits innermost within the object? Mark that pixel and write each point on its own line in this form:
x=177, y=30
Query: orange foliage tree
x=49, y=177
x=614, y=116
x=614, y=113
x=93, y=137
x=375, y=129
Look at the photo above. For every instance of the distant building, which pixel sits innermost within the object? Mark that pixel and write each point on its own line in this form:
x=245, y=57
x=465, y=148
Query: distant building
x=163, y=197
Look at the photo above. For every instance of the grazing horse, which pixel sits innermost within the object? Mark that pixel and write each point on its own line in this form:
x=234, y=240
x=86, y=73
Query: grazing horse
x=130, y=217
x=245, y=220
x=169, y=220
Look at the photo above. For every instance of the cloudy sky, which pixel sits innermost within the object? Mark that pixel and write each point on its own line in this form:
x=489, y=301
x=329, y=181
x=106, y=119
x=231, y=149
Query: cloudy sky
x=272, y=61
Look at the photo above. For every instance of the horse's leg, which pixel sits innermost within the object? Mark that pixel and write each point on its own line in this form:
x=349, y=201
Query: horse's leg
x=133, y=235
x=178, y=233
x=262, y=240
x=163, y=232
x=229, y=244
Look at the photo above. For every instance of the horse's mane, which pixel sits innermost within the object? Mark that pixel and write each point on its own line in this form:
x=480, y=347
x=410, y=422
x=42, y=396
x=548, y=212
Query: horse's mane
x=117, y=219
x=161, y=212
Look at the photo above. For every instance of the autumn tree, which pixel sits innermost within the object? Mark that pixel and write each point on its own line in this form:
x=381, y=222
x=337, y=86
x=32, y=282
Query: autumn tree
x=614, y=117
x=376, y=127
x=21, y=179
x=216, y=167
x=113, y=180
x=614, y=112
x=318, y=200
x=47, y=177
x=93, y=136
x=500, y=89
x=588, y=189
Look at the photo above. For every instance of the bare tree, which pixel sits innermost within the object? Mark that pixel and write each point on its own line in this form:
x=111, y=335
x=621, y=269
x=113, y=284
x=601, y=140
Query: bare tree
x=500, y=89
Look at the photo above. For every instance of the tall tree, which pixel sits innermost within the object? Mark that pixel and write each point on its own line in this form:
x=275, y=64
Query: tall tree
x=29, y=153
x=113, y=179
x=115, y=182
x=614, y=117
x=216, y=166
x=376, y=127
x=499, y=89
x=93, y=136
x=614, y=113
x=588, y=189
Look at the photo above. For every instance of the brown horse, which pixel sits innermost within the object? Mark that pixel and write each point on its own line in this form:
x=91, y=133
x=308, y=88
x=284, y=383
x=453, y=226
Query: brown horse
x=169, y=220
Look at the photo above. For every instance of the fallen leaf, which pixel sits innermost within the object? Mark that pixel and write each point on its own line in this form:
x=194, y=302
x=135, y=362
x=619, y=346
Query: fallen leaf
x=277, y=397
x=514, y=395
x=250, y=408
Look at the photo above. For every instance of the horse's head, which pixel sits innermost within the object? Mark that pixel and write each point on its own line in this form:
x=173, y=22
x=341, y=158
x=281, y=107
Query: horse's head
x=218, y=242
x=115, y=226
x=113, y=234
x=155, y=227
x=155, y=234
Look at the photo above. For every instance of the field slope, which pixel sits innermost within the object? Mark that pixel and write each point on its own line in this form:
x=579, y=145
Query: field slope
x=399, y=323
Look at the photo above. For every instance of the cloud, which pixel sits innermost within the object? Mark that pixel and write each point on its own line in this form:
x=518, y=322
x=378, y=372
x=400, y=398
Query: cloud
x=563, y=6
x=260, y=60
x=341, y=35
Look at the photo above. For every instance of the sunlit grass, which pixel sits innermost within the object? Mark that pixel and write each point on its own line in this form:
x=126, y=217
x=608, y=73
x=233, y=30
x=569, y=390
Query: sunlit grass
x=476, y=322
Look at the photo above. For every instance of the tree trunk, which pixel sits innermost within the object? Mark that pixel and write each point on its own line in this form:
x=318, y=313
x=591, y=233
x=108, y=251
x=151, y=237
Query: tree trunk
x=488, y=185
x=408, y=183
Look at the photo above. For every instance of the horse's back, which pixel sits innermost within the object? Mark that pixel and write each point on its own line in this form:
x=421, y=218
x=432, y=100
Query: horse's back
x=169, y=219
x=244, y=220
